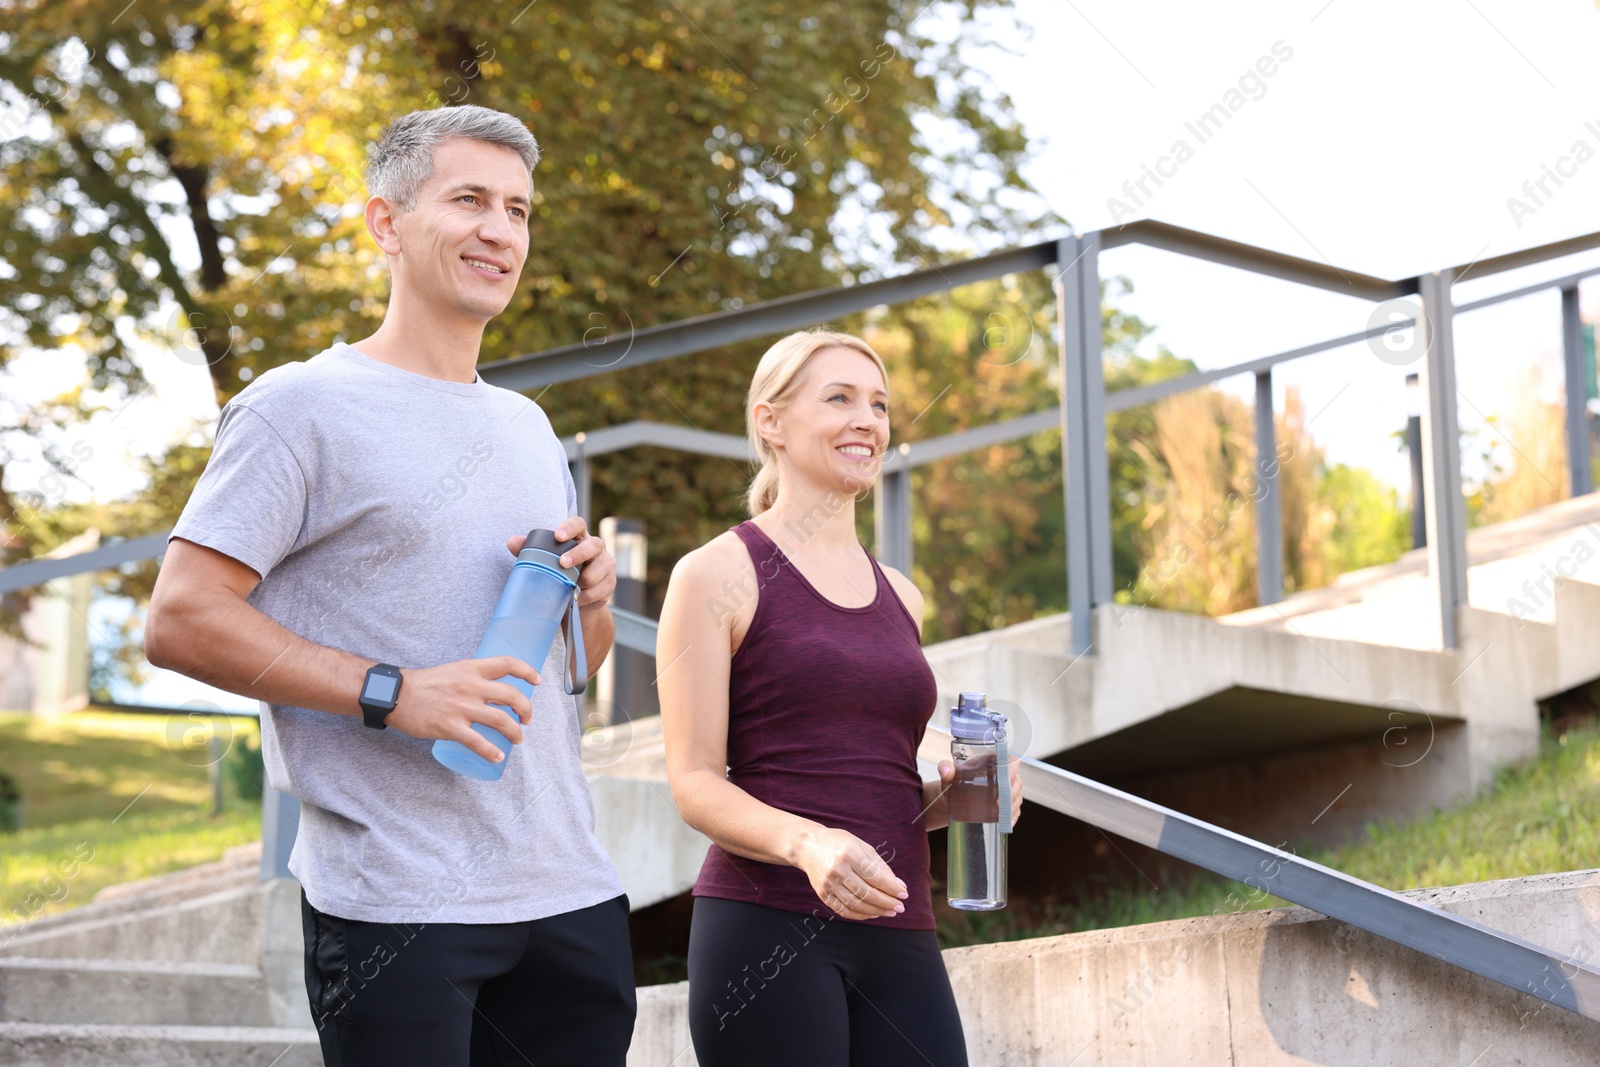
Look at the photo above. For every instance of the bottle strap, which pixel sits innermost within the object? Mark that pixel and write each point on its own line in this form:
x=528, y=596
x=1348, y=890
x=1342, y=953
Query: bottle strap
x=577, y=663
x=1003, y=775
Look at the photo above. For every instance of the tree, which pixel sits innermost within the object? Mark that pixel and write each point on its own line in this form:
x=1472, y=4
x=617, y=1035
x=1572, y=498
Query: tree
x=188, y=173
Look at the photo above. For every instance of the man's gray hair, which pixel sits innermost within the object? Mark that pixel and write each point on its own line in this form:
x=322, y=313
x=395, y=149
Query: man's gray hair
x=402, y=158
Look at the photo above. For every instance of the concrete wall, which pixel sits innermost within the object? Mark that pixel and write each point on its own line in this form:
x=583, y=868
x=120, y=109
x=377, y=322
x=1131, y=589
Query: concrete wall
x=1276, y=987
x=656, y=854
x=48, y=672
x=1326, y=795
x=1256, y=988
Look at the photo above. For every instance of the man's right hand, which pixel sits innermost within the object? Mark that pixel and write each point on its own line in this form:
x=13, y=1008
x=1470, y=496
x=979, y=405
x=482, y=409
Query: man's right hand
x=442, y=703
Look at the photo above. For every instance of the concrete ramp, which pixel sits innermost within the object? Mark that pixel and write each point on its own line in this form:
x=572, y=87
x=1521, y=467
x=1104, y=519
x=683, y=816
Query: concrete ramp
x=1261, y=988
x=1286, y=986
x=1304, y=720
x=656, y=854
x=1333, y=688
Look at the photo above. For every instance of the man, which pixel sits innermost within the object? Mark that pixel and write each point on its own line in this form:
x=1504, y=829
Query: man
x=355, y=518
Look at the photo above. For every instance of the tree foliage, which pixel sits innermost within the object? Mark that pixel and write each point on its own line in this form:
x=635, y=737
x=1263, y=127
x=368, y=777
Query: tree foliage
x=186, y=175
x=183, y=178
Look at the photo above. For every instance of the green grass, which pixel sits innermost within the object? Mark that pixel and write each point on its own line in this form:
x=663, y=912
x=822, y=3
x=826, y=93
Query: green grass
x=109, y=798
x=114, y=797
x=1537, y=818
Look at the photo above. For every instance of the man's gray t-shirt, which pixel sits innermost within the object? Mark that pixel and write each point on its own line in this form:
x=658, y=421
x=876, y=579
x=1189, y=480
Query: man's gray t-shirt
x=376, y=503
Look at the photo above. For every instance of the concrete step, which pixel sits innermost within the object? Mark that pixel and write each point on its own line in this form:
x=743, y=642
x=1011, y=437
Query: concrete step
x=239, y=865
x=85, y=1045
x=153, y=966
x=219, y=927
x=131, y=992
x=239, y=868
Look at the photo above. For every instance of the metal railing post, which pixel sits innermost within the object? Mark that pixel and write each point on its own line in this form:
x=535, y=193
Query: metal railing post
x=626, y=677
x=1419, y=507
x=1446, y=511
x=1085, y=477
x=280, y=822
x=580, y=476
x=892, y=511
x=582, y=482
x=214, y=769
x=1269, y=504
x=1580, y=479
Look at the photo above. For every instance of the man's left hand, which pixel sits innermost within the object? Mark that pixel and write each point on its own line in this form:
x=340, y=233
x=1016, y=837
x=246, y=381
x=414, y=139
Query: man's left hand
x=597, y=574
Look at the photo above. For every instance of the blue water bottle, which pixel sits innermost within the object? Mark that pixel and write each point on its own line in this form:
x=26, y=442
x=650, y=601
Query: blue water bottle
x=539, y=594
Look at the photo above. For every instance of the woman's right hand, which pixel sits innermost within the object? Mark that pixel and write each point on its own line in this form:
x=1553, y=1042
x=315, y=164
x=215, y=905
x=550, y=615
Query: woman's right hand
x=848, y=875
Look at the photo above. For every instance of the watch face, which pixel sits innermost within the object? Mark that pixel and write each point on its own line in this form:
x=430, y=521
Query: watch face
x=380, y=688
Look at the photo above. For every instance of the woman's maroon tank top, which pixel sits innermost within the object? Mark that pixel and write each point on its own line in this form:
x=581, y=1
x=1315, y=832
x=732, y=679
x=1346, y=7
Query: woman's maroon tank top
x=826, y=708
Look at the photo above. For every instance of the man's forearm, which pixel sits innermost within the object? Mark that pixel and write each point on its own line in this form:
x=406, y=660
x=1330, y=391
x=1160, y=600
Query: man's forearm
x=226, y=642
x=599, y=632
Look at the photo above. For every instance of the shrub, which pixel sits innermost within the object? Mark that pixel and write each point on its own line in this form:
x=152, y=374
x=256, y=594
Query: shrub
x=244, y=770
x=10, y=804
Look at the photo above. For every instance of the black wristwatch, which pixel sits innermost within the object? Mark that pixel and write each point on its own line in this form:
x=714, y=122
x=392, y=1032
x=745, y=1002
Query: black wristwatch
x=379, y=694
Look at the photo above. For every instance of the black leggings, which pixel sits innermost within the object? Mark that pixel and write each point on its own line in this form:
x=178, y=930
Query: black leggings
x=776, y=988
x=556, y=992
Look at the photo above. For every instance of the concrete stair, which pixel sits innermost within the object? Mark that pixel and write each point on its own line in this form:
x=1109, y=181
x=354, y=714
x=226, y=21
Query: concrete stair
x=1284, y=986
x=131, y=992
x=198, y=968
x=90, y=1045
x=203, y=966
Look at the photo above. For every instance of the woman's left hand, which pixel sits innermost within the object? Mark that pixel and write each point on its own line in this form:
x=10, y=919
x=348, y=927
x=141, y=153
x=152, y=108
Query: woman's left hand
x=947, y=775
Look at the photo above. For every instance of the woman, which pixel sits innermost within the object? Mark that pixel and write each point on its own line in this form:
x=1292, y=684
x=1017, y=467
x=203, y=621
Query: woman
x=794, y=694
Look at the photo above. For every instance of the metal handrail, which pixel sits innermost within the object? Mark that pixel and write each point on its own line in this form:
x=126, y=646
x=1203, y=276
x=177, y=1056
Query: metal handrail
x=113, y=554
x=732, y=446
x=1499, y=957
x=697, y=334
x=1511, y=961
x=688, y=336
x=780, y=315
x=661, y=435
x=916, y=453
x=1517, y=964
x=1220, y=250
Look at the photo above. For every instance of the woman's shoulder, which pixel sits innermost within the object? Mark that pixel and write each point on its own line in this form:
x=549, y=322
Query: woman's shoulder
x=714, y=561
x=719, y=575
x=907, y=591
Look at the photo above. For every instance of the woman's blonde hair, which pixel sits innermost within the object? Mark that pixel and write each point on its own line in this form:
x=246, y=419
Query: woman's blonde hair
x=775, y=379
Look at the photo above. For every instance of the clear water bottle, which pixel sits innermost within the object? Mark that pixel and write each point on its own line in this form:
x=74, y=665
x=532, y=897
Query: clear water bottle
x=537, y=596
x=980, y=806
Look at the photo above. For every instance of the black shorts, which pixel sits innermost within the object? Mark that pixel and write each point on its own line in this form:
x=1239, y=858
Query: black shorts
x=774, y=988
x=553, y=992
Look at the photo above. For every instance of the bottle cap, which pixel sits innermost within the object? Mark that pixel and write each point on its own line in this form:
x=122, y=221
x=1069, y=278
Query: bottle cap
x=543, y=548
x=971, y=719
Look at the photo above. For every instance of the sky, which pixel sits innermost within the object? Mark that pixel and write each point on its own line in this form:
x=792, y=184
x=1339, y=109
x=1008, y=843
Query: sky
x=1386, y=138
